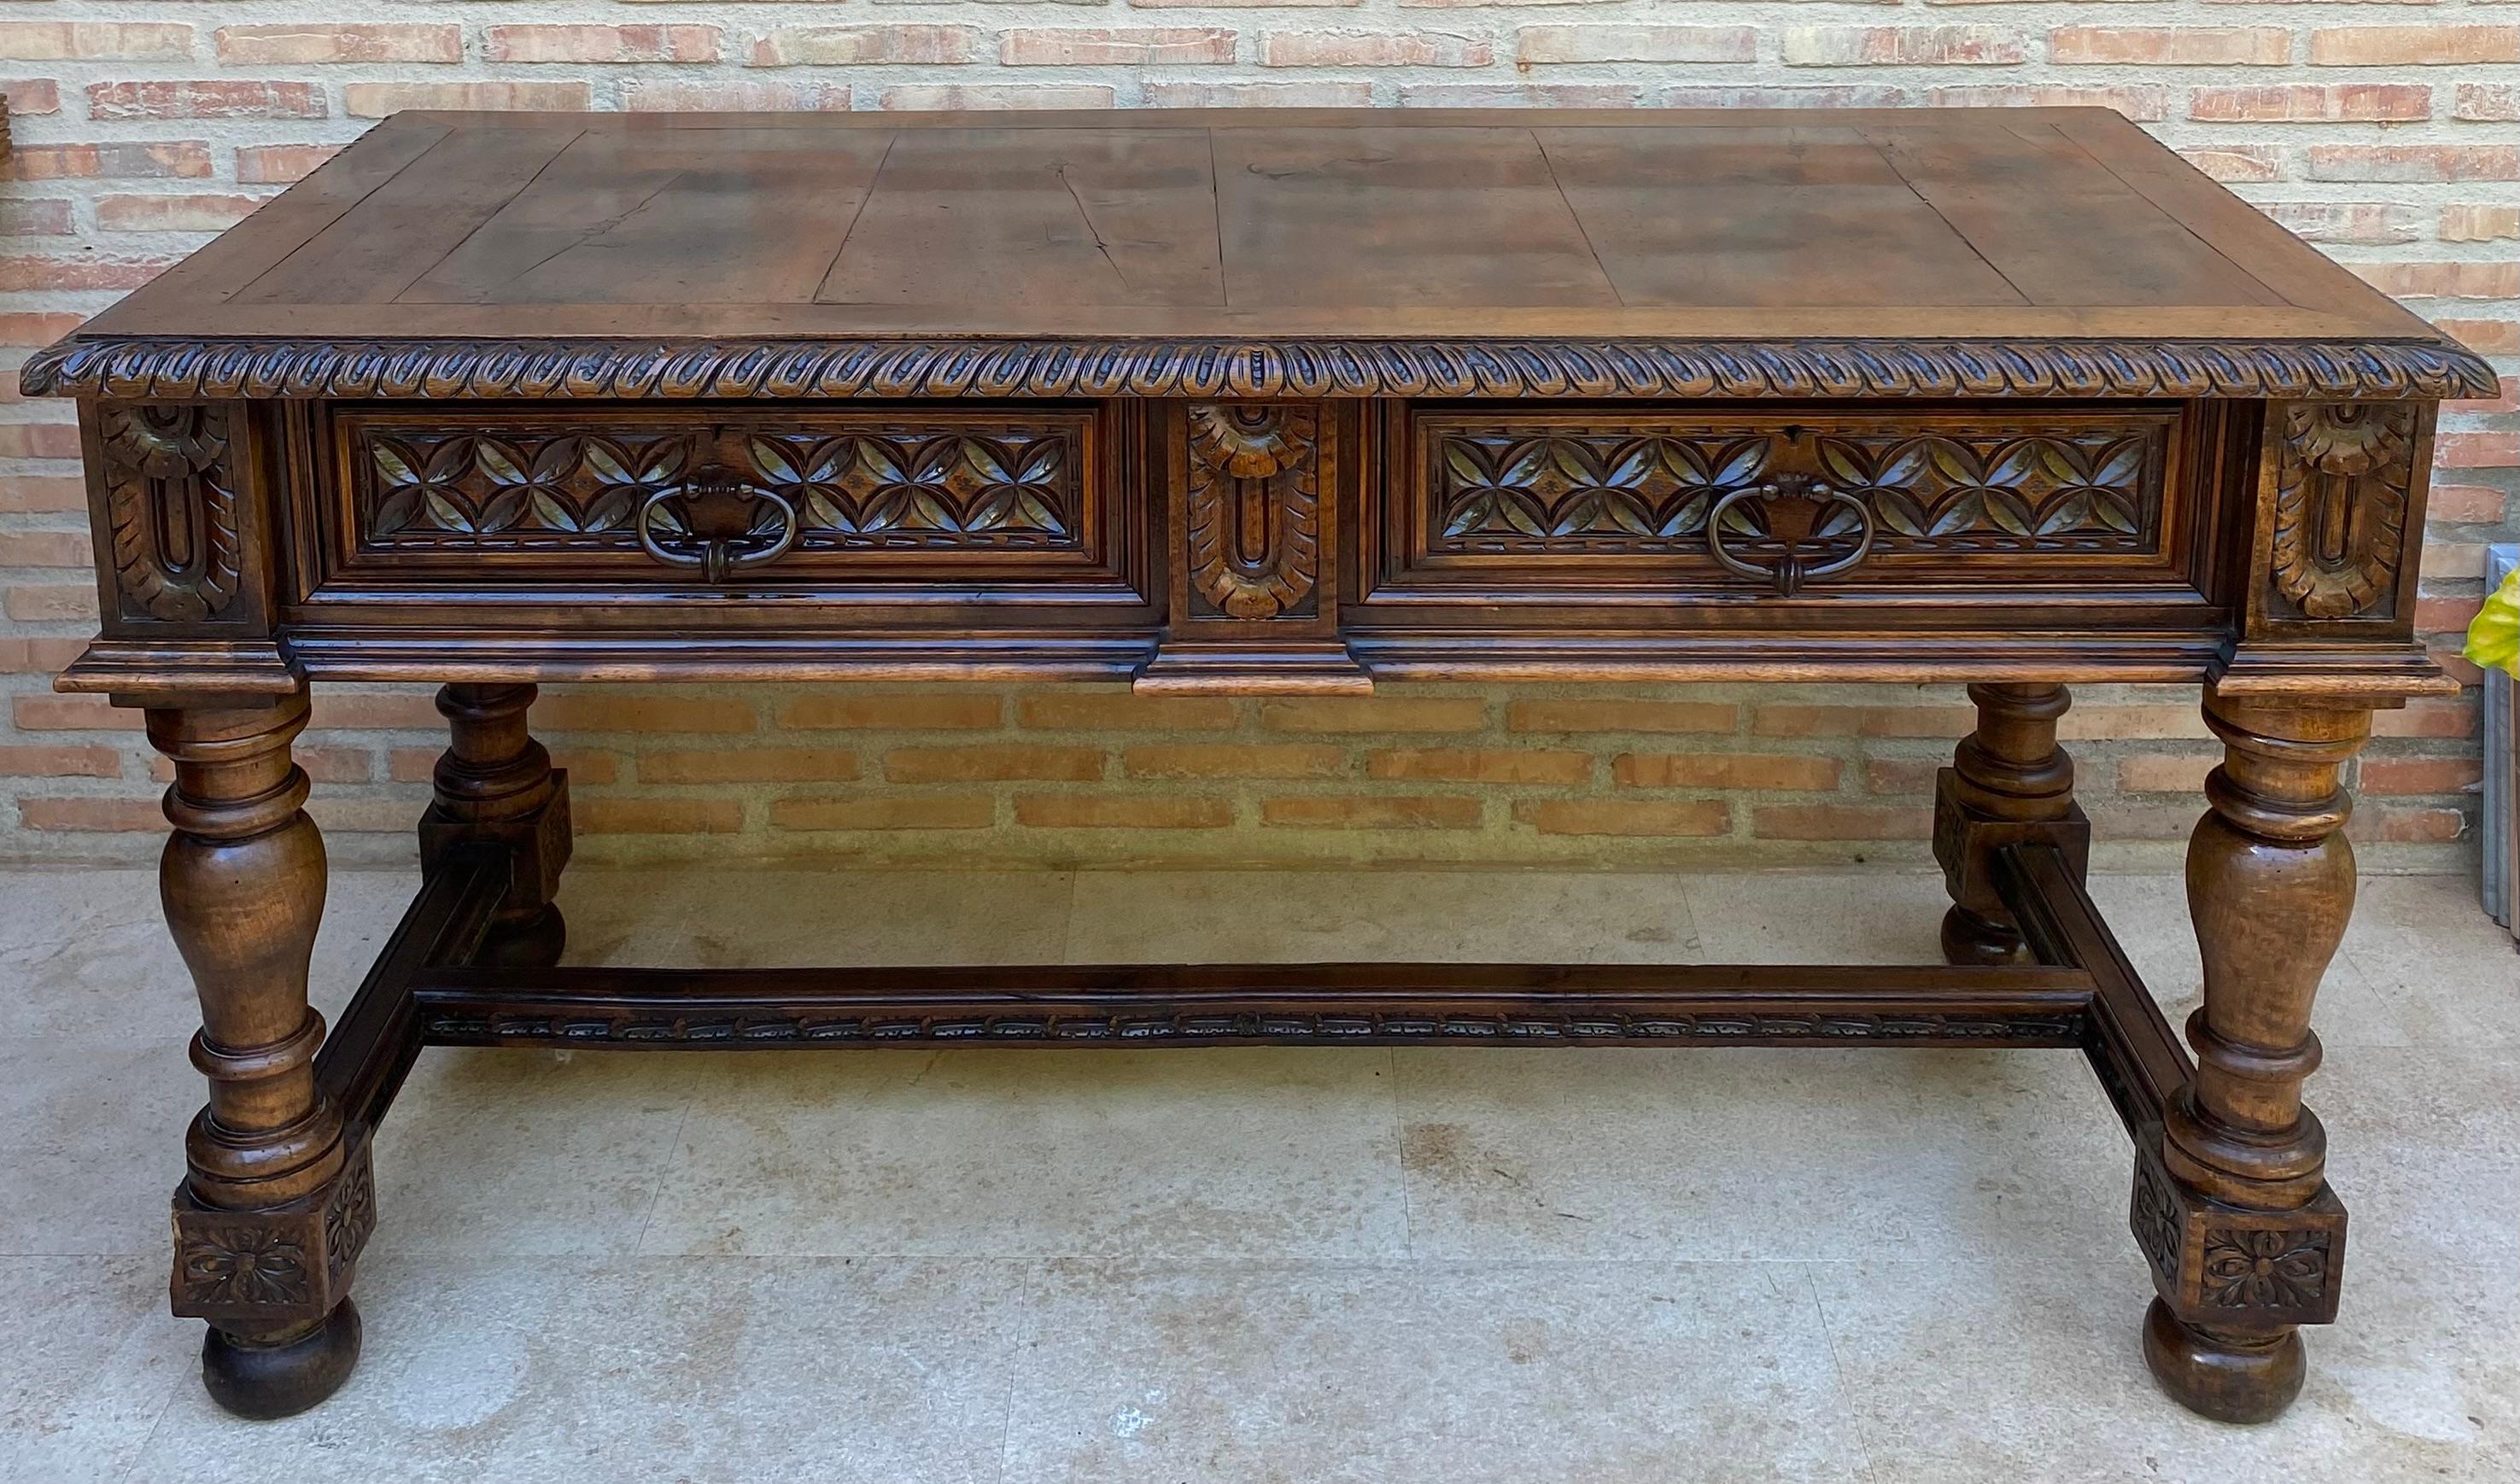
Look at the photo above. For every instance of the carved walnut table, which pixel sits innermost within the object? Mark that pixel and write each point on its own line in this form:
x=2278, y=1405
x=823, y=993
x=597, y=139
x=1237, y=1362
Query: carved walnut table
x=1283, y=402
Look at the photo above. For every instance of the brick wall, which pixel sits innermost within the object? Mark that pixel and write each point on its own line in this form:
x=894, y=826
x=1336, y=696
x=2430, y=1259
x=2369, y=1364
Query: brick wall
x=2387, y=132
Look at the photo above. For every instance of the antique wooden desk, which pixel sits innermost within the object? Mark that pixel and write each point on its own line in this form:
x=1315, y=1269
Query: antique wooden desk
x=1262, y=401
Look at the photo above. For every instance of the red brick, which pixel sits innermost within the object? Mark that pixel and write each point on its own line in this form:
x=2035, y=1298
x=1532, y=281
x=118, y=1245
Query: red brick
x=2414, y=162
x=2457, y=280
x=1095, y=811
x=2171, y=45
x=2433, y=45
x=1901, y=775
x=1626, y=816
x=92, y=814
x=1543, y=45
x=2419, y=775
x=2484, y=337
x=2487, y=102
x=39, y=711
x=911, y=712
x=1616, y=715
x=278, y=165
x=2409, y=827
x=39, y=655
x=954, y=98
x=1840, y=821
x=31, y=94
x=1863, y=721
x=1123, y=711
x=603, y=711
x=2346, y=221
x=1840, y=96
x=885, y=811
x=1418, y=49
x=1234, y=760
x=51, y=603
x=2507, y=398
x=81, y=40
x=2428, y=716
x=1901, y=45
x=1256, y=94
x=1374, y=713
x=1479, y=765
x=656, y=816
x=1366, y=811
x=375, y=99
x=46, y=549
x=640, y=95
x=2132, y=723
x=1519, y=95
x=1115, y=46
x=38, y=440
x=225, y=98
x=941, y=765
x=60, y=762
x=599, y=43
x=120, y=159
x=86, y=271
x=2364, y=101
x=1726, y=770
x=174, y=214
x=2237, y=161
x=2477, y=450
x=2145, y=103
x=2164, y=771
x=750, y=765
x=866, y=46
x=37, y=218
x=2466, y=505
x=303, y=45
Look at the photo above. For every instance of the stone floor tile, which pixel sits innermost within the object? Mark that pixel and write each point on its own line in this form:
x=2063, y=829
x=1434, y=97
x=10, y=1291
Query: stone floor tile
x=711, y=916
x=91, y=1364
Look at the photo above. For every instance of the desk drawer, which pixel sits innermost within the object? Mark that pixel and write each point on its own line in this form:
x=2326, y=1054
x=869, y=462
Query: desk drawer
x=1608, y=505
x=889, y=498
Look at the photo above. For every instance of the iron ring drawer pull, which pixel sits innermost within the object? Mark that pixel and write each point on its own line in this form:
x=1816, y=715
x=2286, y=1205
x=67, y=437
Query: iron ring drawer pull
x=1795, y=505
x=718, y=526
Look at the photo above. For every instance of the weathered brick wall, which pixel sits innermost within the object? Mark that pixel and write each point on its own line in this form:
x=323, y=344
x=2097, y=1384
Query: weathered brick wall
x=2387, y=132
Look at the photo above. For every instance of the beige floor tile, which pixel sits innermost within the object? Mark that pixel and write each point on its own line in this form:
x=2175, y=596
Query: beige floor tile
x=1407, y=916
x=1854, y=916
x=1757, y=1154
x=561, y=1370
x=1331, y=1373
x=92, y=1143
x=1157, y=1152
x=714, y=916
x=2443, y=966
x=91, y=1364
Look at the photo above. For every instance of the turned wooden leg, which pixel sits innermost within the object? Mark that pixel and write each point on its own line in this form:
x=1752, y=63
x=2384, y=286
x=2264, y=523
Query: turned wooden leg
x=2245, y=1240
x=2008, y=782
x=277, y=1198
x=496, y=782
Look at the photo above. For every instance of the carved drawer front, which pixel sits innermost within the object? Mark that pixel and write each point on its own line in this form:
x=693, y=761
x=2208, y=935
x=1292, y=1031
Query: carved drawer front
x=886, y=496
x=1589, y=502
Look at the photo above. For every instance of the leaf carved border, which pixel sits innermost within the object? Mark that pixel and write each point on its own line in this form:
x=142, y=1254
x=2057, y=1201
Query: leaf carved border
x=147, y=366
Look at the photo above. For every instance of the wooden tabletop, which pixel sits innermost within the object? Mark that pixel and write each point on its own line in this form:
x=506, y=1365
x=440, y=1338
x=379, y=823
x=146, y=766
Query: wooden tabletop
x=1338, y=225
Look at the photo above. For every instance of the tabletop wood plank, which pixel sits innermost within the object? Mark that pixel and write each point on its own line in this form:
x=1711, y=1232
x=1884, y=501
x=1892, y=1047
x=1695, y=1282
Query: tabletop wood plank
x=1324, y=223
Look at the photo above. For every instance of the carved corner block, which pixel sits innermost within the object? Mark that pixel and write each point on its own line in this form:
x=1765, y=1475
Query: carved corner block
x=539, y=840
x=2339, y=520
x=1966, y=839
x=275, y=1269
x=1254, y=561
x=2226, y=1268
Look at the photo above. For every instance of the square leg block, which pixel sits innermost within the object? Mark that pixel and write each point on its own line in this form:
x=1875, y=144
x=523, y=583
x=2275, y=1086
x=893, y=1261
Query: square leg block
x=271, y=1269
x=2224, y=1268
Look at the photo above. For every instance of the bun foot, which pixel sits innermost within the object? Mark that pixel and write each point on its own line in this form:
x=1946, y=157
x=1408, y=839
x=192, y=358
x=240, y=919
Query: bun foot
x=1968, y=938
x=534, y=942
x=261, y=1381
x=2230, y=1378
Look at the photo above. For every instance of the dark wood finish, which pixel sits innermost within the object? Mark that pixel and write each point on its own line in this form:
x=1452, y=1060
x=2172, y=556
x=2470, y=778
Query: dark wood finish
x=277, y=1200
x=1264, y=402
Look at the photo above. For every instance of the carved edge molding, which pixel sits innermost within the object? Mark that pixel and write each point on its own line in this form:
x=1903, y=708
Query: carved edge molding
x=167, y=369
x=2344, y=477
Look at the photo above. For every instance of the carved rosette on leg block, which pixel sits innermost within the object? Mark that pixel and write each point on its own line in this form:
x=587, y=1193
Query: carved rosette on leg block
x=495, y=782
x=2231, y=1206
x=277, y=1200
x=1254, y=576
x=2009, y=784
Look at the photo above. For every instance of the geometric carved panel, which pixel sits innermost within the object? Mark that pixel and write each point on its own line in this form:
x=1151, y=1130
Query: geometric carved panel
x=868, y=484
x=1628, y=486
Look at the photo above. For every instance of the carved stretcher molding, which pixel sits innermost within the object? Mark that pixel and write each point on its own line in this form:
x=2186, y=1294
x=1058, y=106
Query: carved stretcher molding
x=1282, y=401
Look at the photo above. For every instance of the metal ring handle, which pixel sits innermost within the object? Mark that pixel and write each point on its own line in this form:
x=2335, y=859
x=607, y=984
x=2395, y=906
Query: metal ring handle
x=717, y=556
x=1789, y=574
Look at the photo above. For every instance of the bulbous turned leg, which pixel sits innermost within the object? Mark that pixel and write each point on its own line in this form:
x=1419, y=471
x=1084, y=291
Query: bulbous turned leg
x=2230, y=1206
x=496, y=782
x=277, y=1198
x=2008, y=781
